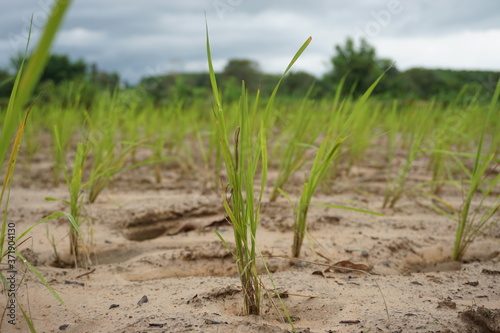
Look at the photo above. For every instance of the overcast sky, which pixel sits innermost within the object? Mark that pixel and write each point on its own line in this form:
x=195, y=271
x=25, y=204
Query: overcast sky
x=153, y=37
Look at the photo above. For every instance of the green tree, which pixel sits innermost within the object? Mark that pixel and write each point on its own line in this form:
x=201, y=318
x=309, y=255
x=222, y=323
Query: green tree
x=359, y=65
x=297, y=83
x=59, y=68
x=421, y=83
x=243, y=70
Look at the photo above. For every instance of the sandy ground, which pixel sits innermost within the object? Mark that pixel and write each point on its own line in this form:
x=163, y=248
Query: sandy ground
x=158, y=266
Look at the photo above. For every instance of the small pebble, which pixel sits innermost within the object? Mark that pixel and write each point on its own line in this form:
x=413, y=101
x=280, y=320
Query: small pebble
x=473, y=283
x=143, y=300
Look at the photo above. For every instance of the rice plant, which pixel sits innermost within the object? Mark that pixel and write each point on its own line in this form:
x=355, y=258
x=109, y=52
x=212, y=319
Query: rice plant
x=75, y=184
x=472, y=222
x=241, y=200
x=241, y=207
x=479, y=209
x=324, y=157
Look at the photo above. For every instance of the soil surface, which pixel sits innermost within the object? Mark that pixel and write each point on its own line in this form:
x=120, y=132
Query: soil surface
x=158, y=266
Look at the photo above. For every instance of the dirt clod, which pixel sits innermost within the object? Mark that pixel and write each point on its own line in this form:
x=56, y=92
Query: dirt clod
x=482, y=320
x=447, y=304
x=490, y=272
x=472, y=283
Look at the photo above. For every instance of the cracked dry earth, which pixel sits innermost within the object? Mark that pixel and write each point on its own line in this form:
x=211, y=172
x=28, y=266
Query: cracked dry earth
x=158, y=266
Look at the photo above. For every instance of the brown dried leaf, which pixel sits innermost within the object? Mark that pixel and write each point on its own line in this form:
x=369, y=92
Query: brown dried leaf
x=434, y=279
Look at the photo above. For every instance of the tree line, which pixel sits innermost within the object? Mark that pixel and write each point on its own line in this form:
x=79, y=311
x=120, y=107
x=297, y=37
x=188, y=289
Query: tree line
x=62, y=79
x=357, y=66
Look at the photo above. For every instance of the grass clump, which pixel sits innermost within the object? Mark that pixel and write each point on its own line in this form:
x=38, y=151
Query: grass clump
x=75, y=184
x=471, y=222
x=480, y=205
x=241, y=199
x=324, y=157
x=241, y=206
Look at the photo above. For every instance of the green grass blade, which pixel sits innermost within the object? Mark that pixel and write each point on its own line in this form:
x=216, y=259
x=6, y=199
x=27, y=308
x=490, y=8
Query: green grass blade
x=264, y=157
x=467, y=227
x=11, y=120
x=26, y=80
x=267, y=113
x=8, y=176
x=211, y=71
x=40, y=277
x=348, y=208
x=14, y=153
x=298, y=54
x=28, y=320
x=372, y=87
x=338, y=92
x=40, y=56
x=283, y=193
x=49, y=218
x=225, y=243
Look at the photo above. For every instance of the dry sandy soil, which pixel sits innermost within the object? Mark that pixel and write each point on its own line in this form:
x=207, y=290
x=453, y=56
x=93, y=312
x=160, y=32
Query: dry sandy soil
x=158, y=266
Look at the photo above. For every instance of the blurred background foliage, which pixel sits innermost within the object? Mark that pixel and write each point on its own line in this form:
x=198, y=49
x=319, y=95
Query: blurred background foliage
x=64, y=79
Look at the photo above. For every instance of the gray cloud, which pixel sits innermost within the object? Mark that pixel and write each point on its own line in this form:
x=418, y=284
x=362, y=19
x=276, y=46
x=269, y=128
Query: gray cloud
x=155, y=36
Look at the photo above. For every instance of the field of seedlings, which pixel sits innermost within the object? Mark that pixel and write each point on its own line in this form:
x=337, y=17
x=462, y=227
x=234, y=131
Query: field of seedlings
x=257, y=215
x=369, y=216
